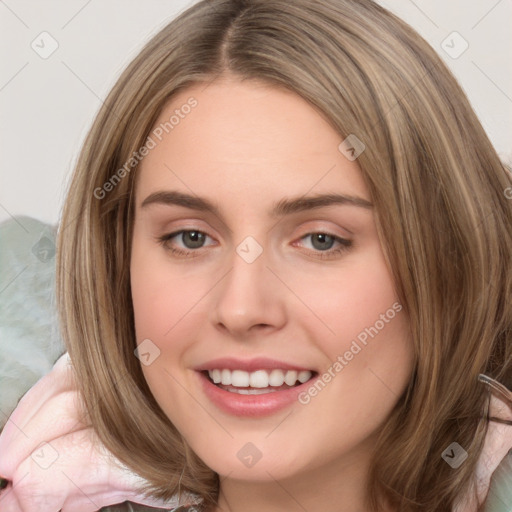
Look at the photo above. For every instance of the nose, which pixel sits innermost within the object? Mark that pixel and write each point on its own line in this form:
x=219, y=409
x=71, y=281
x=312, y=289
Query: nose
x=250, y=299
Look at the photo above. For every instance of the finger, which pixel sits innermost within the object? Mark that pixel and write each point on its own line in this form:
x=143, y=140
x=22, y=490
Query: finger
x=61, y=378
x=83, y=478
x=20, y=438
x=8, y=501
x=16, y=439
x=69, y=471
x=28, y=494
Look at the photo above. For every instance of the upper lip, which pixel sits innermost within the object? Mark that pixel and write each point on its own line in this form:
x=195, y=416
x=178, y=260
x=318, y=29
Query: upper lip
x=249, y=365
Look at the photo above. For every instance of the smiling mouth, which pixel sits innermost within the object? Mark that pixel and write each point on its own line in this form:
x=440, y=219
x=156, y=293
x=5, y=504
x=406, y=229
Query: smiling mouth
x=258, y=382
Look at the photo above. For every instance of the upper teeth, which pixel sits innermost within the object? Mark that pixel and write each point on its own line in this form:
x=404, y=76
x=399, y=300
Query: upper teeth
x=259, y=378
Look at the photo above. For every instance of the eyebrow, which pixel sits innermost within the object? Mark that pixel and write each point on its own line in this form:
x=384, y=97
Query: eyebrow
x=281, y=208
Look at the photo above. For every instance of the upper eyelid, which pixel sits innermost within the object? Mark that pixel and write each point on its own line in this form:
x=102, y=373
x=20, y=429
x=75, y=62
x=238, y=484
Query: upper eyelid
x=331, y=231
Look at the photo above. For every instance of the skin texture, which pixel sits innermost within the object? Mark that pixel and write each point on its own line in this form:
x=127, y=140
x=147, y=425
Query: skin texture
x=245, y=146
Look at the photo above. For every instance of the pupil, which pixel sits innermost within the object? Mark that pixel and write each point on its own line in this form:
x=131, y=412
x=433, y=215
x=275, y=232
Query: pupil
x=323, y=237
x=197, y=238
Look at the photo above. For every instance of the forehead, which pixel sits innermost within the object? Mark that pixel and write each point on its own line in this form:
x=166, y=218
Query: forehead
x=249, y=138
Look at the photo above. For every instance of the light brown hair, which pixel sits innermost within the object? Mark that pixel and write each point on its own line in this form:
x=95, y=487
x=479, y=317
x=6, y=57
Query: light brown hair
x=443, y=218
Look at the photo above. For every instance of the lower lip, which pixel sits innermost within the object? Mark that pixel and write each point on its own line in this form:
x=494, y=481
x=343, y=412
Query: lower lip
x=251, y=405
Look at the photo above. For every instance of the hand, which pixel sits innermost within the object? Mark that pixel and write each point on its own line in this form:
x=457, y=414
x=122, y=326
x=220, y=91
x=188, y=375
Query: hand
x=52, y=457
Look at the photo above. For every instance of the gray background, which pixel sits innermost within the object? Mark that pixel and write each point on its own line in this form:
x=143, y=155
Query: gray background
x=47, y=104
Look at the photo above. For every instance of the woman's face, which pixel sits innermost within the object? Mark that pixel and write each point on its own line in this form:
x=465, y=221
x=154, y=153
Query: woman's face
x=239, y=268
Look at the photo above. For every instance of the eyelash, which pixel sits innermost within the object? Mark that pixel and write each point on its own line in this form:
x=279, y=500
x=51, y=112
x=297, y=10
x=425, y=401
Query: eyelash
x=329, y=254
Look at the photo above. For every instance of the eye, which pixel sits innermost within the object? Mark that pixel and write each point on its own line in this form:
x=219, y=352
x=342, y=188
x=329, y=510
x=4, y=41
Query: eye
x=323, y=242
x=194, y=239
x=191, y=238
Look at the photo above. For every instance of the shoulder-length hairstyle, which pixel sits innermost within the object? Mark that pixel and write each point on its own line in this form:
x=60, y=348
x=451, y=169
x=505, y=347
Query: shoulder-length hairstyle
x=442, y=210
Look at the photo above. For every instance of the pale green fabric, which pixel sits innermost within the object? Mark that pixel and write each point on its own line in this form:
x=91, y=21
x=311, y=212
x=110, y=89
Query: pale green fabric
x=29, y=339
x=499, y=498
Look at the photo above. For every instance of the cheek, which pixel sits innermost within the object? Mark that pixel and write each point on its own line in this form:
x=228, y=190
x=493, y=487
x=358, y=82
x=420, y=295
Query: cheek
x=351, y=301
x=162, y=304
x=363, y=332
x=157, y=305
x=168, y=311
x=162, y=299
x=370, y=356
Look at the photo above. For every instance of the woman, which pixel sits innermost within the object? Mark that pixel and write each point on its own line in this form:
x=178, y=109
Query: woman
x=220, y=348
